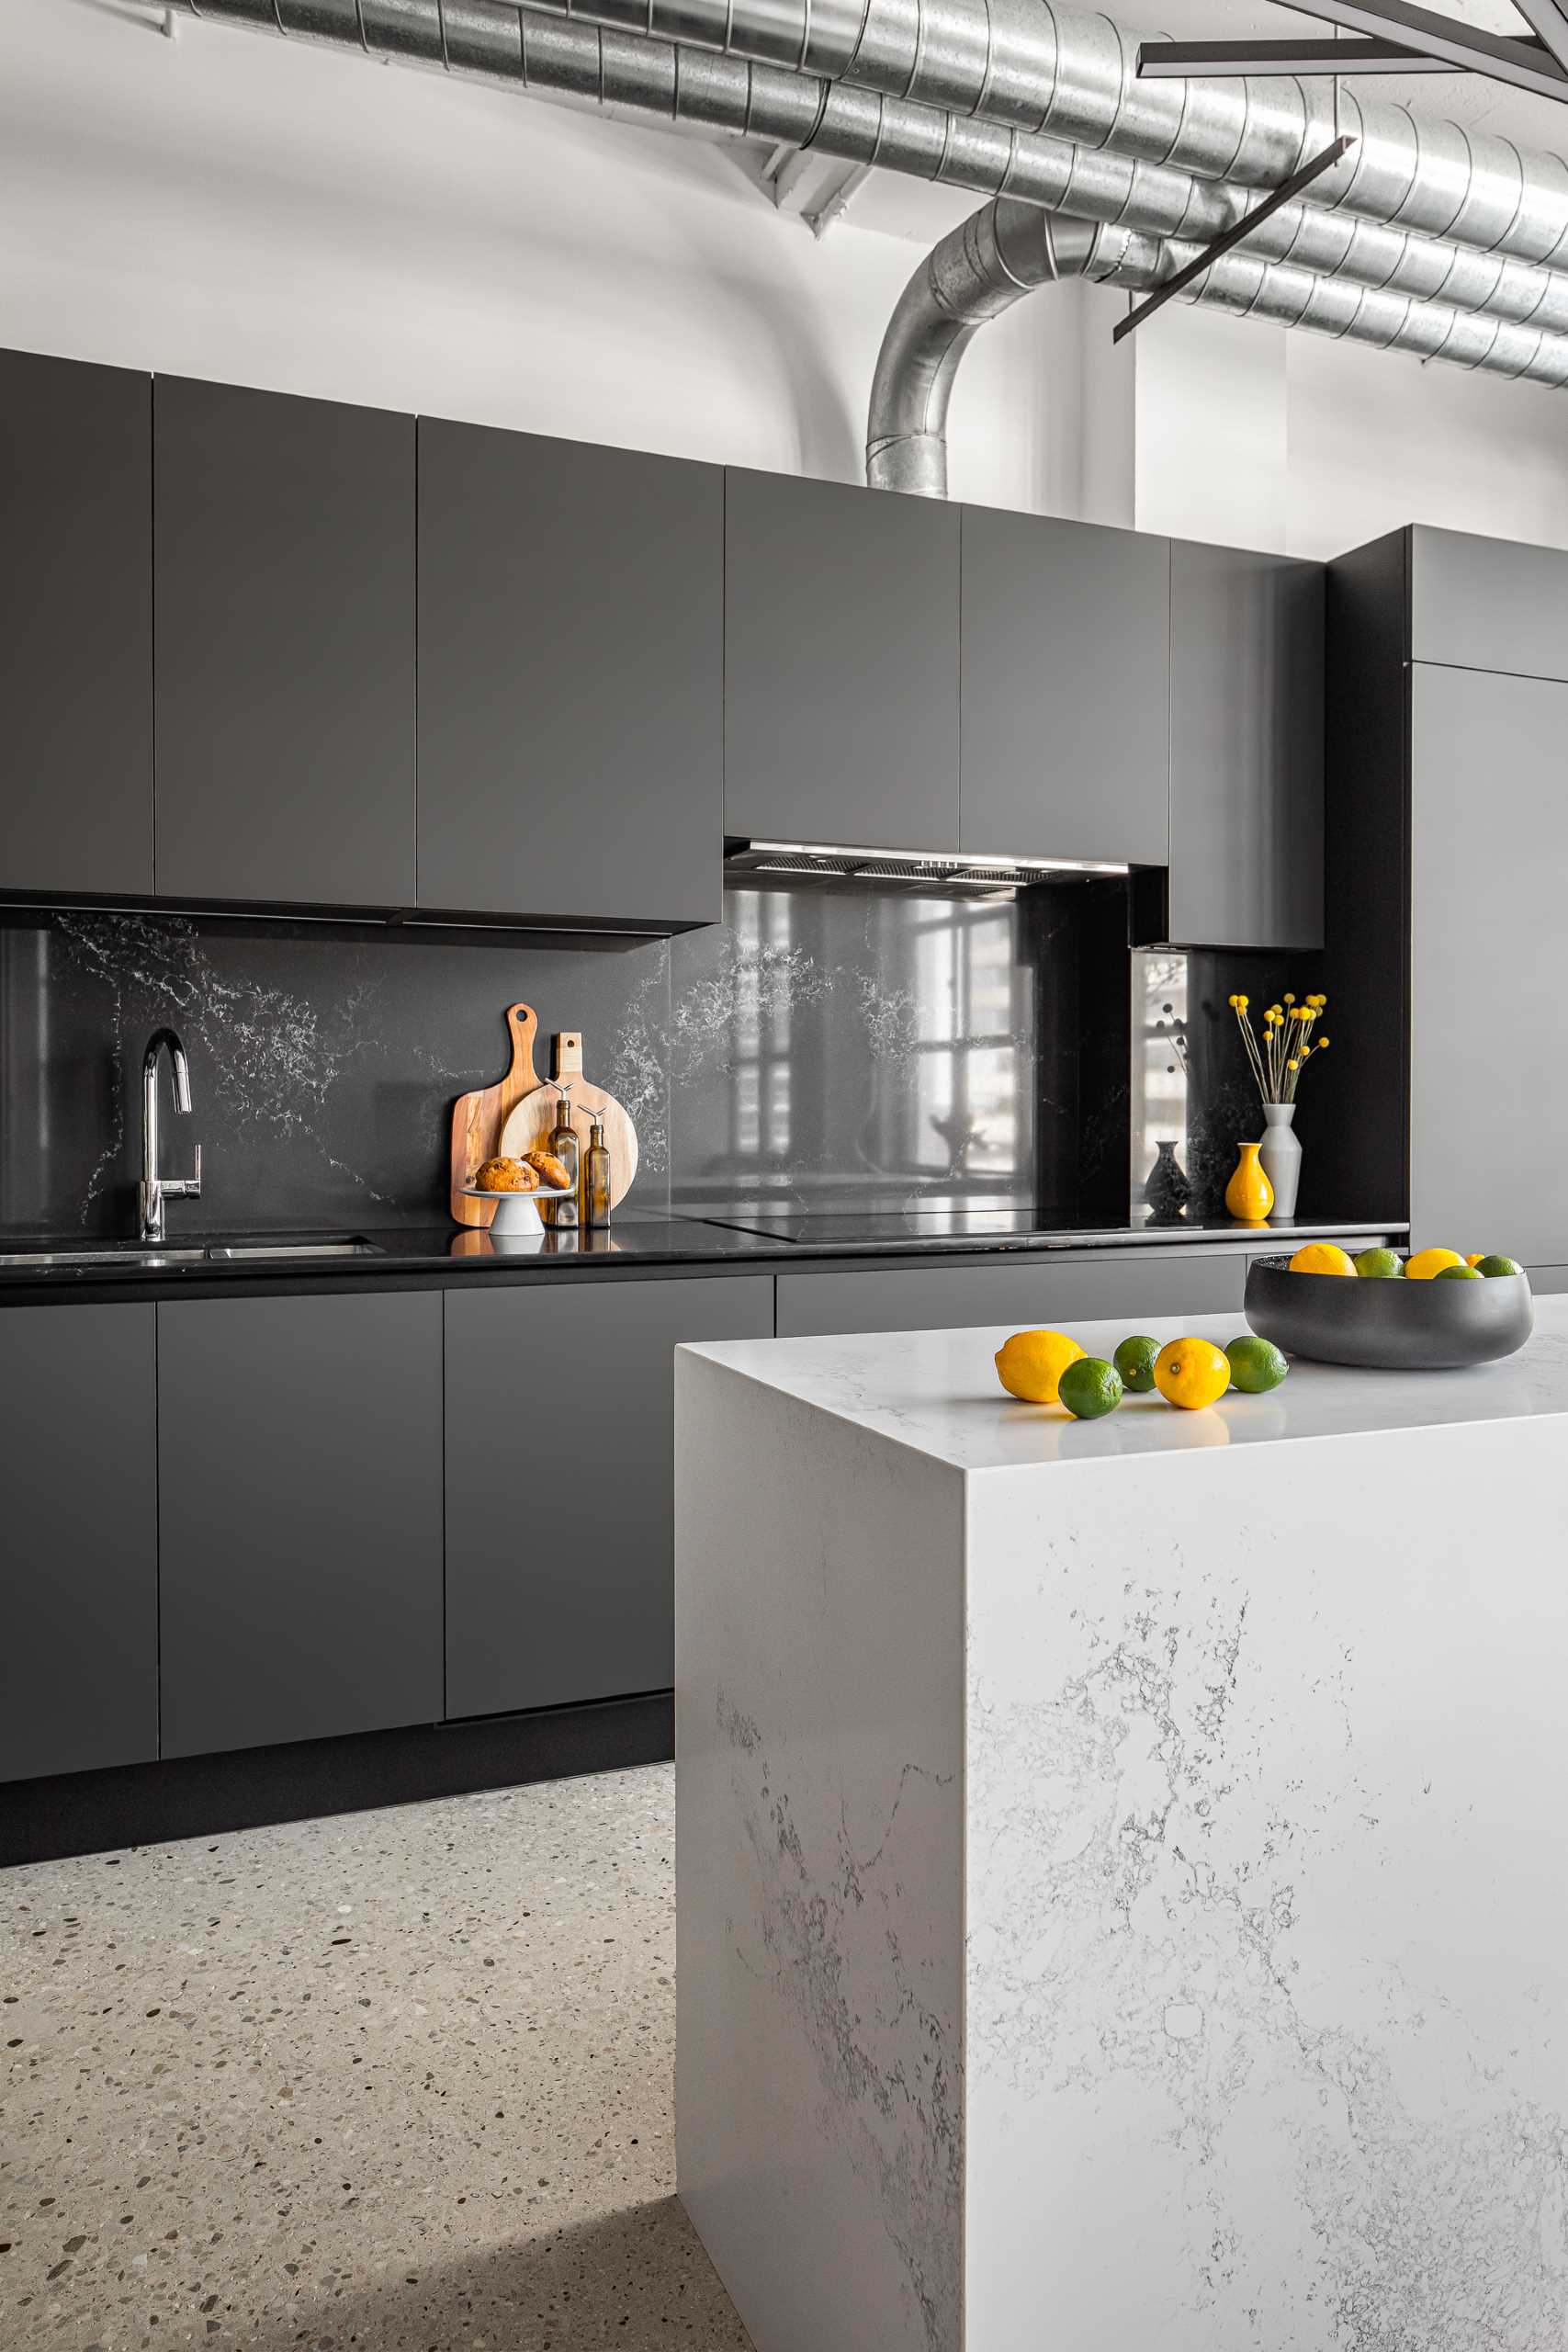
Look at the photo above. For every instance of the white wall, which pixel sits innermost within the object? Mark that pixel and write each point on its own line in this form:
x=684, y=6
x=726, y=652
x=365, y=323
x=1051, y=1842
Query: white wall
x=232, y=206
x=1378, y=439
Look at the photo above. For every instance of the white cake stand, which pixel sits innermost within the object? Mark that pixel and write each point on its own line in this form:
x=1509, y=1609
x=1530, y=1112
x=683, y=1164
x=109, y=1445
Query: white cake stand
x=517, y=1213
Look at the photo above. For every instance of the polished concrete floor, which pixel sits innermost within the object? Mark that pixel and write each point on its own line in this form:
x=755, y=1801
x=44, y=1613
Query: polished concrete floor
x=399, y=2081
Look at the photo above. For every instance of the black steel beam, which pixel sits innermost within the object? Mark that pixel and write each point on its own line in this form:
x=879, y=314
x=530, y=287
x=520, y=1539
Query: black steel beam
x=1527, y=64
x=1233, y=235
x=1177, y=60
x=1551, y=22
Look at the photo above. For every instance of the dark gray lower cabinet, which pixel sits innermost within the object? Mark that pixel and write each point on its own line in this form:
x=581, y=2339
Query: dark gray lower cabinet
x=560, y=1483
x=79, y=1512
x=299, y=1517
x=949, y=1298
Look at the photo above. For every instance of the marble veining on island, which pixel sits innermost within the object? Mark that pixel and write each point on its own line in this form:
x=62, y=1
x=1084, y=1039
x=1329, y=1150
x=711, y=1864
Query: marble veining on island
x=1121, y=1895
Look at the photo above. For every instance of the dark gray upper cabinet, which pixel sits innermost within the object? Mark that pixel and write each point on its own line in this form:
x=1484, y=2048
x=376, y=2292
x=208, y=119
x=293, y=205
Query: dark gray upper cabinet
x=79, y=1478
x=75, y=627
x=1489, y=859
x=840, y=664
x=299, y=1517
x=1247, y=716
x=285, y=588
x=1488, y=604
x=561, y=1481
x=1066, y=690
x=570, y=679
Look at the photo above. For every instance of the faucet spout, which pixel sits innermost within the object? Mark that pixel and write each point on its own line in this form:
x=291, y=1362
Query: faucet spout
x=156, y=1189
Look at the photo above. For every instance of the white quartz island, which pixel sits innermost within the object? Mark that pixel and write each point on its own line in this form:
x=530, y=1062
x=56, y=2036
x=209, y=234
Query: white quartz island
x=1122, y=1869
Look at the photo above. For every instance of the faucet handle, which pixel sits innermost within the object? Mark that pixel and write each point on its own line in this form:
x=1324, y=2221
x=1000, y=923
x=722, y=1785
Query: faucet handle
x=186, y=1188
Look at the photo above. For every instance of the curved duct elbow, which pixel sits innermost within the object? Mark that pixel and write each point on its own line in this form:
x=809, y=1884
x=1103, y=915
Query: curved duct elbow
x=986, y=266
x=1006, y=250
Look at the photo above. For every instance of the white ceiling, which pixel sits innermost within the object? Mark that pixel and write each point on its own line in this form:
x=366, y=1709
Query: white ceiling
x=905, y=208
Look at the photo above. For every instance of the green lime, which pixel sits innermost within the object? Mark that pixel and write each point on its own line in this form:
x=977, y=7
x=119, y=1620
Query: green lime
x=1458, y=1274
x=1256, y=1365
x=1135, y=1362
x=1496, y=1265
x=1090, y=1387
x=1379, y=1262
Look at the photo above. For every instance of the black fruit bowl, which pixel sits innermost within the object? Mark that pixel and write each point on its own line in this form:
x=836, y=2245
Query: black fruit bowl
x=1390, y=1323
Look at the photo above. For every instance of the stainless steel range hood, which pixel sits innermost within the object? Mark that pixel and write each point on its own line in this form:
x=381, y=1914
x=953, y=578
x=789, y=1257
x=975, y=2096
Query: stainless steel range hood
x=941, y=872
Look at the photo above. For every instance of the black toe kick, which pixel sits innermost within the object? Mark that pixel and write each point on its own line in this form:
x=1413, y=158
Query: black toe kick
x=151, y=1804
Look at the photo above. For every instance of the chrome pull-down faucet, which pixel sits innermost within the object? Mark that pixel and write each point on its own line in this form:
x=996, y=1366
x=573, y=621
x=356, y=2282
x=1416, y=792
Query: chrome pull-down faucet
x=156, y=1189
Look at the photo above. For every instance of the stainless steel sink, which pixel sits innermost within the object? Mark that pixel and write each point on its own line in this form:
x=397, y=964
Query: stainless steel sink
x=293, y=1249
x=131, y=1255
x=145, y=1254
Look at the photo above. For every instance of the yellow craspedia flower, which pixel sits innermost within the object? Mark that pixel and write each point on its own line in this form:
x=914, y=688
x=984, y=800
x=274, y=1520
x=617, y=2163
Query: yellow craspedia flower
x=1294, y=1062
x=1289, y=996
x=1322, y=1046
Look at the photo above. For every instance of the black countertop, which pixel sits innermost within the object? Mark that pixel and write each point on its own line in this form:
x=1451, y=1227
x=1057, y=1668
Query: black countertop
x=632, y=1245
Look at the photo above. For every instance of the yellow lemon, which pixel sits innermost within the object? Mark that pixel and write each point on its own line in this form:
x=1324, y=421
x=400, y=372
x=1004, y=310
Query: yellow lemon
x=1322, y=1258
x=1475, y=1257
x=1031, y=1365
x=1428, y=1262
x=1191, y=1372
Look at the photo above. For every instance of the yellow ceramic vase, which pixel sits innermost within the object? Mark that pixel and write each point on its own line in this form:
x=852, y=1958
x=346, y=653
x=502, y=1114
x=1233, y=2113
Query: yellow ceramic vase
x=1250, y=1195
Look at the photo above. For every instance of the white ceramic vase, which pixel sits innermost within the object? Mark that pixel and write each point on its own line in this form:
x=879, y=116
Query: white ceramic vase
x=1280, y=1155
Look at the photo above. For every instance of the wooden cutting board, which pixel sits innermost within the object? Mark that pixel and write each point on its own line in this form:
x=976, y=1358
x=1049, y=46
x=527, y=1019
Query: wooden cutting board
x=478, y=1119
x=530, y=1120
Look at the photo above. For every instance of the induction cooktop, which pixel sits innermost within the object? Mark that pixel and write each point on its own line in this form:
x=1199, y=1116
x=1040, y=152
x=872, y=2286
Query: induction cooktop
x=925, y=1227
x=943, y=1225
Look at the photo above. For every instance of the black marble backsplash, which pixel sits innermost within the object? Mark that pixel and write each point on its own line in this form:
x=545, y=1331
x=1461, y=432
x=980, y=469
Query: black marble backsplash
x=844, y=1049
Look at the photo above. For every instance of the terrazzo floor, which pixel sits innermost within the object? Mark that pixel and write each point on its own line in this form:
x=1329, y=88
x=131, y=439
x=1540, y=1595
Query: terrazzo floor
x=399, y=2081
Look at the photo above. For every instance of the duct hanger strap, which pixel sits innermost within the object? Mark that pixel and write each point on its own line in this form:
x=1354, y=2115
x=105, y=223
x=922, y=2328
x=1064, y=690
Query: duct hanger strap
x=1233, y=236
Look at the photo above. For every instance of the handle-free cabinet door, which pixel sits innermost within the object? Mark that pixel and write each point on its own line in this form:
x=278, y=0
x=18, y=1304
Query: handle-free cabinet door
x=75, y=627
x=1488, y=604
x=560, y=1483
x=1246, y=704
x=1066, y=690
x=954, y=1297
x=570, y=679
x=840, y=664
x=78, y=1539
x=1489, y=881
x=285, y=580
x=299, y=1517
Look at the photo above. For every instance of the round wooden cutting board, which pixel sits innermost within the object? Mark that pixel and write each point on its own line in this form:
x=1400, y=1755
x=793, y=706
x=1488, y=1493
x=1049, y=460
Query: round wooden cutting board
x=529, y=1121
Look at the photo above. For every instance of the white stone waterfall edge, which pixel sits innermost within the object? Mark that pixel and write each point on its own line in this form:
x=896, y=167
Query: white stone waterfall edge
x=1122, y=1895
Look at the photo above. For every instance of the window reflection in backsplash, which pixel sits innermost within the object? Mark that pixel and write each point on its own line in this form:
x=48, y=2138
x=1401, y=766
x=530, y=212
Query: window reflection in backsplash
x=861, y=1049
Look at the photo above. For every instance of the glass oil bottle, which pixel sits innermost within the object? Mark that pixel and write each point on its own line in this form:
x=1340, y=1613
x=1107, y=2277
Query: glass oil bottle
x=564, y=1214
x=596, y=1173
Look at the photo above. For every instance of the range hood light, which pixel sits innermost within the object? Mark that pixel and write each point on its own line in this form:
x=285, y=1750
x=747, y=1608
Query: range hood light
x=941, y=870
x=937, y=857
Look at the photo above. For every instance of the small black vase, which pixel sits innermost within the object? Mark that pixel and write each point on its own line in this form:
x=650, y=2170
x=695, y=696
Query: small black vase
x=1168, y=1187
